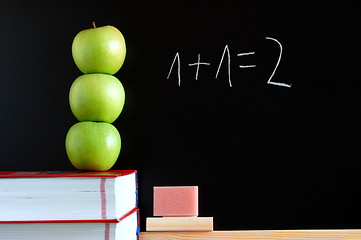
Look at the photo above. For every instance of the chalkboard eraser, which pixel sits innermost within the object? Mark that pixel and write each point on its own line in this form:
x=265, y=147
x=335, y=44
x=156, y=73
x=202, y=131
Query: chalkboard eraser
x=176, y=224
x=177, y=201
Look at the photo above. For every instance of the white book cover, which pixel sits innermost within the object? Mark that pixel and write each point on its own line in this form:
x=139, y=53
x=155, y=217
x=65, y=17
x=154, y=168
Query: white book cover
x=38, y=196
x=125, y=228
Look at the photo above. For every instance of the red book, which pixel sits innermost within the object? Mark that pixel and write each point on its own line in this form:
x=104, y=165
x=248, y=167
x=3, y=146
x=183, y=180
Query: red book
x=125, y=228
x=67, y=195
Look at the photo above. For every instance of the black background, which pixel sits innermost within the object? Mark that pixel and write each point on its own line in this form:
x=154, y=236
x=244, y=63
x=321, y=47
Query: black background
x=263, y=156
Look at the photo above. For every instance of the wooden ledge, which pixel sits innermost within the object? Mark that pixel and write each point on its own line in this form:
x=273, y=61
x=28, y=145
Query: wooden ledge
x=347, y=234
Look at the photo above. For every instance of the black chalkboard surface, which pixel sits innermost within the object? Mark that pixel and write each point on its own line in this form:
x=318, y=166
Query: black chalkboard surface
x=256, y=102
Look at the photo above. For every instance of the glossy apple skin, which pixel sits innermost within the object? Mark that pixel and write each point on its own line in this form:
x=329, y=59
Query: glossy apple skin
x=99, y=50
x=93, y=146
x=97, y=97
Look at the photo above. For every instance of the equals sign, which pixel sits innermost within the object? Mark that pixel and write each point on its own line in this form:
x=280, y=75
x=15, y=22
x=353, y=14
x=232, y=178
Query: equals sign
x=245, y=54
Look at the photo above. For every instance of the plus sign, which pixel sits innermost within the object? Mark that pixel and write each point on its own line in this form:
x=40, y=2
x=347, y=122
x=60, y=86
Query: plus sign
x=198, y=63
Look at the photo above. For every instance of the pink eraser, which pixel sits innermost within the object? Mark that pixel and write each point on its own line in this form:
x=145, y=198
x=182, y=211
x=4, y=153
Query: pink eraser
x=176, y=201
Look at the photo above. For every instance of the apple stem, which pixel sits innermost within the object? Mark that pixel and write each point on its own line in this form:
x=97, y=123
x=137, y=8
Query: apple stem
x=94, y=24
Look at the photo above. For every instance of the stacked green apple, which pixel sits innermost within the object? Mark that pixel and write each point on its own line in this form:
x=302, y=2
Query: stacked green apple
x=96, y=99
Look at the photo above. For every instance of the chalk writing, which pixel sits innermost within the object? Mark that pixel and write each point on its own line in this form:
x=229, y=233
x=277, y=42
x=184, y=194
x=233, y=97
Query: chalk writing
x=278, y=62
x=226, y=58
x=245, y=54
x=176, y=58
x=197, y=64
x=226, y=49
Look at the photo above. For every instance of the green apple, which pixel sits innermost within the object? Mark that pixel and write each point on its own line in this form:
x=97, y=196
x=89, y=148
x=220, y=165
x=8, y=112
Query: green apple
x=99, y=50
x=96, y=97
x=93, y=146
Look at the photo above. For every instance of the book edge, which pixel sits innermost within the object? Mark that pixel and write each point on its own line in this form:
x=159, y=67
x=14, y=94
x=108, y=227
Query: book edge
x=31, y=174
x=134, y=210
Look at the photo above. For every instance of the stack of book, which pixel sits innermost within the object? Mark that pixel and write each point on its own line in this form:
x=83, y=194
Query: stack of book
x=69, y=205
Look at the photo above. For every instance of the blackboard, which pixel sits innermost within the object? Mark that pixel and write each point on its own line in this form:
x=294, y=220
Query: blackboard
x=256, y=102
